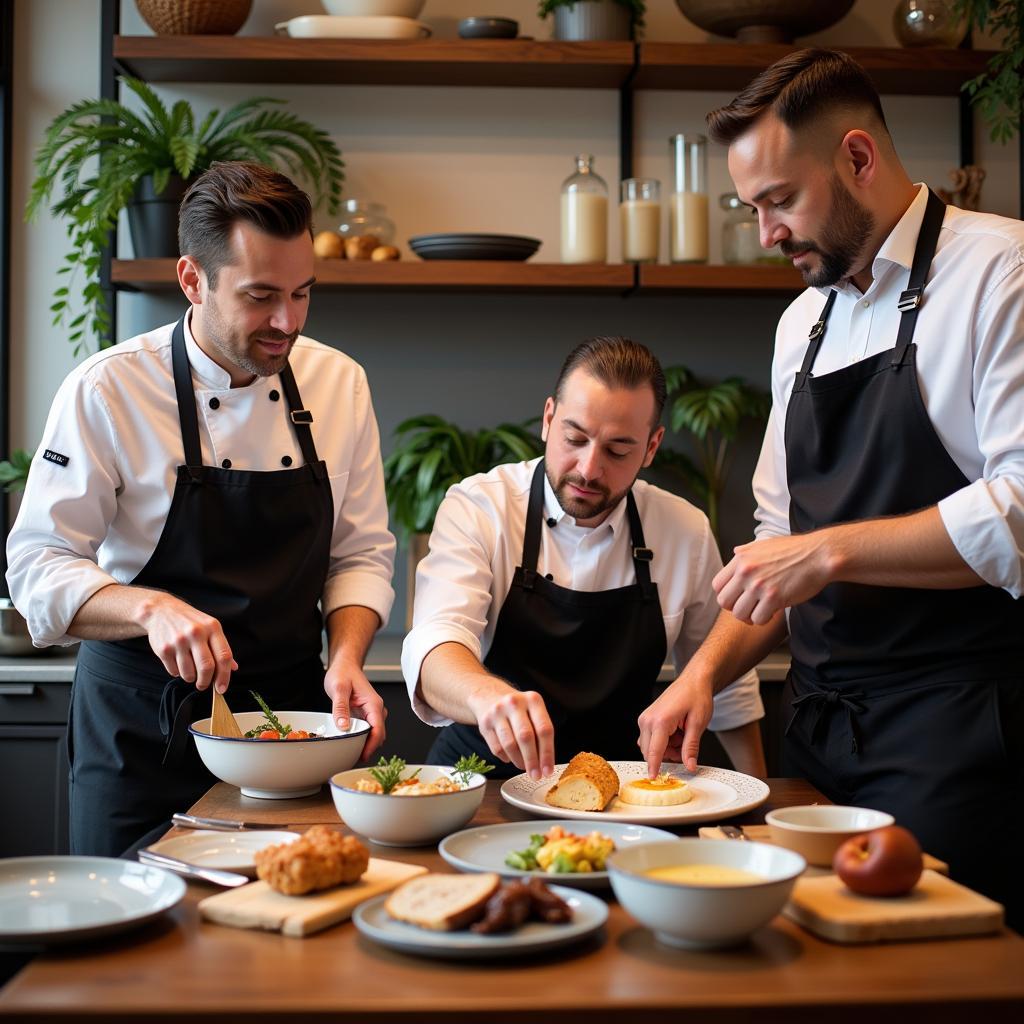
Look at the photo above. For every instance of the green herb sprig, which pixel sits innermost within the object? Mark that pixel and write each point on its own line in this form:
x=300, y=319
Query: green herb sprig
x=472, y=765
x=389, y=773
x=273, y=722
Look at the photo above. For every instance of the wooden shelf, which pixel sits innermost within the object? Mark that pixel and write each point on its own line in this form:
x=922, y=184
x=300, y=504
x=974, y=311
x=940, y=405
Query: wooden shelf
x=730, y=66
x=280, y=60
x=707, y=277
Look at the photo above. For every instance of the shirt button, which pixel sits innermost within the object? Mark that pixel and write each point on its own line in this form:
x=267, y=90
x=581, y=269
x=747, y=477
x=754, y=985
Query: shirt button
x=227, y=462
x=548, y=576
x=865, y=303
x=214, y=403
x=275, y=395
x=552, y=522
x=286, y=460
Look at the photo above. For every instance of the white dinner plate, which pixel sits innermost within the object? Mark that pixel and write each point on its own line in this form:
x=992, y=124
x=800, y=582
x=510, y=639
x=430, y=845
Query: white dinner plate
x=485, y=848
x=46, y=900
x=226, y=851
x=588, y=914
x=332, y=26
x=716, y=793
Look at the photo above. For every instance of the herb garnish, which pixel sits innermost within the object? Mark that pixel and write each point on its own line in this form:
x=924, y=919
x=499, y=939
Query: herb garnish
x=272, y=724
x=472, y=765
x=389, y=773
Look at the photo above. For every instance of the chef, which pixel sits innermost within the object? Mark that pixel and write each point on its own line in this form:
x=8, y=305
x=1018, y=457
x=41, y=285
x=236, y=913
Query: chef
x=205, y=498
x=554, y=588
x=890, y=487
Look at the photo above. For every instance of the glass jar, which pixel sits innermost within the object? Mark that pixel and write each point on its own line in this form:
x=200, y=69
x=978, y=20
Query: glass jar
x=640, y=217
x=688, y=206
x=741, y=234
x=928, y=23
x=584, y=215
x=362, y=218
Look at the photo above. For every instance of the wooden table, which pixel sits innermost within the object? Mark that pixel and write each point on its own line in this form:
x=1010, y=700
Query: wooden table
x=182, y=969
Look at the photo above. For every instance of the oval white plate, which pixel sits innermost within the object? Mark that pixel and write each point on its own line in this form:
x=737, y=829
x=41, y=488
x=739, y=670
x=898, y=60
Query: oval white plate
x=484, y=848
x=588, y=914
x=716, y=793
x=227, y=851
x=46, y=900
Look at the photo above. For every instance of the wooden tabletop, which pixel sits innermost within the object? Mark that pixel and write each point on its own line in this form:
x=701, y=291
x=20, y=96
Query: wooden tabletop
x=183, y=969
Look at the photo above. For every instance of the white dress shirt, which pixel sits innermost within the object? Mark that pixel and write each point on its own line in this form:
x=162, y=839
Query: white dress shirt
x=96, y=519
x=477, y=543
x=970, y=364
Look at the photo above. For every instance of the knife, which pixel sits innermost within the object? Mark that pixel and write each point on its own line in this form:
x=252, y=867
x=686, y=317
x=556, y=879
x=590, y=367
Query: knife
x=229, y=879
x=218, y=824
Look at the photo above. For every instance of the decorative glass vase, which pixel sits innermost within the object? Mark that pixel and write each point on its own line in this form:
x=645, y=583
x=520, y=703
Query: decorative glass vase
x=927, y=23
x=362, y=218
x=584, y=215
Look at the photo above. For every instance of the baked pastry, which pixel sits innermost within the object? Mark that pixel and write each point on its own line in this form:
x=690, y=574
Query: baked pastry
x=360, y=247
x=329, y=245
x=588, y=783
x=321, y=859
x=664, y=791
x=442, y=903
x=385, y=252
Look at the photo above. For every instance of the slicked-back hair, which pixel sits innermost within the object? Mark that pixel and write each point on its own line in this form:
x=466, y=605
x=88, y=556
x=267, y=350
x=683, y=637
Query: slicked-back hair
x=798, y=90
x=234, y=191
x=617, y=363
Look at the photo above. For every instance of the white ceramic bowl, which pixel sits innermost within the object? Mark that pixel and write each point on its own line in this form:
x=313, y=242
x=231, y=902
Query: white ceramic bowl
x=816, y=831
x=405, y=820
x=374, y=8
x=278, y=769
x=704, y=916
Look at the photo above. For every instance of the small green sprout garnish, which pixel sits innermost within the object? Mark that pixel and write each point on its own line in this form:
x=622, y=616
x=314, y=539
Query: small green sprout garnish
x=472, y=765
x=273, y=722
x=389, y=773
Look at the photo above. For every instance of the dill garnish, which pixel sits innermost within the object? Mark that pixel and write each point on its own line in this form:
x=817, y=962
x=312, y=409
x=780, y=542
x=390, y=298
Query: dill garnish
x=273, y=722
x=389, y=773
x=472, y=765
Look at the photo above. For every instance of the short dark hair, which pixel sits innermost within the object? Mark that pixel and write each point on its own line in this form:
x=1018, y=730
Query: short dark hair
x=617, y=363
x=234, y=191
x=798, y=89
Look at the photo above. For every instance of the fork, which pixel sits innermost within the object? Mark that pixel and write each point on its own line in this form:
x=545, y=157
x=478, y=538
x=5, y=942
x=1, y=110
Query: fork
x=734, y=832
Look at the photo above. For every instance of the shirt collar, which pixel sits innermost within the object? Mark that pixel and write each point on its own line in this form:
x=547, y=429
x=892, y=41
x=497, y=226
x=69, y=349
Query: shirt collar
x=552, y=510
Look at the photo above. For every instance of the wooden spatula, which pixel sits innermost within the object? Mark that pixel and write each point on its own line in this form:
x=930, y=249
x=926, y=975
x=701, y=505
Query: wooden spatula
x=223, y=722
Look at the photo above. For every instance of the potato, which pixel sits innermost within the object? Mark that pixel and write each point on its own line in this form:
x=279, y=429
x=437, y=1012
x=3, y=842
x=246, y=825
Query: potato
x=360, y=247
x=328, y=245
x=385, y=252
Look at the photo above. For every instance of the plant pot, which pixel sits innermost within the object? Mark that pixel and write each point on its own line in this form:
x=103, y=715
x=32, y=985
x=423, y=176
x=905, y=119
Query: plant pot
x=593, y=20
x=153, y=219
x=194, y=17
x=763, y=21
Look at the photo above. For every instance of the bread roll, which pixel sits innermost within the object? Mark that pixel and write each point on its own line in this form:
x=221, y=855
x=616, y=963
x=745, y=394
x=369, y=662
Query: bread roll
x=329, y=245
x=385, y=252
x=588, y=783
x=442, y=903
x=361, y=246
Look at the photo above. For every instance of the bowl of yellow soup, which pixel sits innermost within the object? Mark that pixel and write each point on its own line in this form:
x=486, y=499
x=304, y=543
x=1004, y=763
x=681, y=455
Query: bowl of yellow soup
x=704, y=893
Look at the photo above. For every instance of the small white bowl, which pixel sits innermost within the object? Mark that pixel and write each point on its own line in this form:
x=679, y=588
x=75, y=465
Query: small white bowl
x=816, y=831
x=280, y=769
x=704, y=916
x=374, y=8
x=406, y=820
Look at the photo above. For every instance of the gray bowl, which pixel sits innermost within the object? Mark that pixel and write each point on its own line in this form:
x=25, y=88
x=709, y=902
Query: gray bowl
x=488, y=28
x=14, y=636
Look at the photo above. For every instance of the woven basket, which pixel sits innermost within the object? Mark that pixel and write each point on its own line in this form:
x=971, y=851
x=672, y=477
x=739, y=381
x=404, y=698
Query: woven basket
x=194, y=17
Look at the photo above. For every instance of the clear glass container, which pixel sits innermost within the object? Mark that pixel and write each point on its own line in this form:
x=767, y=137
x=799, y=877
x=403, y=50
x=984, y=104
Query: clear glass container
x=584, y=215
x=362, y=218
x=928, y=23
x=640, y=217
x=741, y=237
x=688, y=204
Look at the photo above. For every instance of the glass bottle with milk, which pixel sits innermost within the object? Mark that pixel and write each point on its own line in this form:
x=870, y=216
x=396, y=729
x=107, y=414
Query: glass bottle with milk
x=584, y=215
x=688, y=206
x=640, y=214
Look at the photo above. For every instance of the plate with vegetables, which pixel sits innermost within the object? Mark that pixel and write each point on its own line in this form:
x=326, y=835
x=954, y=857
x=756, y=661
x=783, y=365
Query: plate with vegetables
x=562, y=851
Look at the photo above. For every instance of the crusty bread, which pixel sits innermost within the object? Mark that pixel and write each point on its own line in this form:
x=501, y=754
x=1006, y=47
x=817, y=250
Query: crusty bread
x=588, y=783
x=442, y=903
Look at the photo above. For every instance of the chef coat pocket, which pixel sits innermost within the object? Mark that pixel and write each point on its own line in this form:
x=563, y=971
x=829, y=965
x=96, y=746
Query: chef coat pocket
x=339, y=485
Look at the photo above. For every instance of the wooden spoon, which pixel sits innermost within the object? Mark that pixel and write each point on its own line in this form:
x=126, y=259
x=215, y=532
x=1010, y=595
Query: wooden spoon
x=223, y=722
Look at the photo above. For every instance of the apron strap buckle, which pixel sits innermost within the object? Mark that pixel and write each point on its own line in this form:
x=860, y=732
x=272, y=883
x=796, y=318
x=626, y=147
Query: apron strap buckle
x=817, y=330
x=301, y=416
x=910, y=299
x=529, y=578
x=643, y=554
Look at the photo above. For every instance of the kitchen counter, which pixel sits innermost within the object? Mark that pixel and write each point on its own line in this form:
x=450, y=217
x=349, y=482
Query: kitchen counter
x=183, y=969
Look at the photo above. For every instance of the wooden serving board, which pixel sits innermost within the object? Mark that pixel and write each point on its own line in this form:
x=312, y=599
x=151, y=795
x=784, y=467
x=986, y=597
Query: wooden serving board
x=937, y=907
x=258, y=906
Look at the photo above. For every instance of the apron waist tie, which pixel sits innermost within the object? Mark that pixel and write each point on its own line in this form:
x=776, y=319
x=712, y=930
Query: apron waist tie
x=828, y=701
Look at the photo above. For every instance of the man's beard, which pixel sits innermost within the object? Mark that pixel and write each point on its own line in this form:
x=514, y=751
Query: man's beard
x=244, y=354
x=842, y=240
x=583, y=508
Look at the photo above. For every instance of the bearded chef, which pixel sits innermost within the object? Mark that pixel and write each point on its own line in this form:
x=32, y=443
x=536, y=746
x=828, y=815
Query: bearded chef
x=206, y=496
x=554, y=589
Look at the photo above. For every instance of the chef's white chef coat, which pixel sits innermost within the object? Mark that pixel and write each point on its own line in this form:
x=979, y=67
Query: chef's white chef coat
x=970, y=364
x=94, y=516
x=477, y=543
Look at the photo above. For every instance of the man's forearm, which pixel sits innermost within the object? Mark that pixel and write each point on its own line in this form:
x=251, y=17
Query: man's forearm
x=116, y=612
x=451, y=676
x=350, y=631
x=733, y=648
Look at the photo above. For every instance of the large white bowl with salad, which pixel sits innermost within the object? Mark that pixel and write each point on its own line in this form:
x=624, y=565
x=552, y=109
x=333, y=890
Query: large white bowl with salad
x=399, y=804
x=284, y=754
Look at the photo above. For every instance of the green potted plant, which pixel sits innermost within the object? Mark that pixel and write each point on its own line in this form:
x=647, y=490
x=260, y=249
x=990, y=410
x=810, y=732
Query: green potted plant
x=577, y=20
x=14, y=471
x=102, y=156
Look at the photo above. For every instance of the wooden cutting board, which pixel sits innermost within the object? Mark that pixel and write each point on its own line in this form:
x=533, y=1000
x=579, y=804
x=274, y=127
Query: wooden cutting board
x=938, y=907
x=257, y=905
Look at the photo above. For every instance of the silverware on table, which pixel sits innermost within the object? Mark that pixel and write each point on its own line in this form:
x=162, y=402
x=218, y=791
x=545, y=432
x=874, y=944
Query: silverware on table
x=218, y=824
x=733, y=832
x=229, y=879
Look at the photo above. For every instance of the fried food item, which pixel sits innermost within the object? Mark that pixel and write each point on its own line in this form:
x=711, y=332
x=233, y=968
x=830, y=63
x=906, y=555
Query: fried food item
x=664, y=791
x=506, y=910
x=546, y=905
x=321, y=859
x=588, y=783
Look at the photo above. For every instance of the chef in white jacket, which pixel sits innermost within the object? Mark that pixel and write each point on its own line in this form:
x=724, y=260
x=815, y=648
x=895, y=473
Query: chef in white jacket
x=205, y=497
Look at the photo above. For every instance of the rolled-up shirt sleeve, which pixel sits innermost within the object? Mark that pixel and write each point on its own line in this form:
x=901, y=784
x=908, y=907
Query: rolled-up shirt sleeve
x=69, y=502
x=362, y=558
x=453, y=592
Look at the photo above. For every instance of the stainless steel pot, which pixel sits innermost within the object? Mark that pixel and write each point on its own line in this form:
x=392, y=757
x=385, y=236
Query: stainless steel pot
x=14, y=635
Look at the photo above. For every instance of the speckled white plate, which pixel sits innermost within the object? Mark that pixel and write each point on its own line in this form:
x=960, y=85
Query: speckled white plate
x=226, y=851
x=716, y=793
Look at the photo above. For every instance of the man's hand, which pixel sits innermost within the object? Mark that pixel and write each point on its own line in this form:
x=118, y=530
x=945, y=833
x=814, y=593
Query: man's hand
x=767, y=576
x=189, y=643
x=670, y=729
x=516, y=726
x=352, y=695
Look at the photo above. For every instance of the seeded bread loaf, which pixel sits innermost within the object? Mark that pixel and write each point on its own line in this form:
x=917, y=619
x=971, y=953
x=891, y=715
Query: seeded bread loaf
x=442, y=903
x=588, y=783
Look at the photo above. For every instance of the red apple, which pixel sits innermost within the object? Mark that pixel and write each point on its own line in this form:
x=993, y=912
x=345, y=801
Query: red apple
x=885, y=862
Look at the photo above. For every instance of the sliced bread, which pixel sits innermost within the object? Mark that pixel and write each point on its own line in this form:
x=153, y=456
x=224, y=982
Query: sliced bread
x=442, y=903
x=588, y=783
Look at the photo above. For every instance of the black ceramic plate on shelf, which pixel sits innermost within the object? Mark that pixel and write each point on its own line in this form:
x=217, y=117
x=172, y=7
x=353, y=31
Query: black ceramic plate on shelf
x=474, y=247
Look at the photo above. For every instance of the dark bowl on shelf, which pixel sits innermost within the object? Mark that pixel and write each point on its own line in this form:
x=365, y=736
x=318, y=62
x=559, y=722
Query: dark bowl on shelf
x=471, y=246
x=488, y=28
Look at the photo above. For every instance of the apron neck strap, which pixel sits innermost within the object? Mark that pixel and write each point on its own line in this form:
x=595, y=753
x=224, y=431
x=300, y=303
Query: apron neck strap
x=188, y=415
x=815, y=338
x=301, y=418
x=642, y=555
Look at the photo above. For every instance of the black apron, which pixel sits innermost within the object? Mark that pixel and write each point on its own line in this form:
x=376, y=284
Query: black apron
x=250, y=549
x=593, y=656
x=904, y=699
